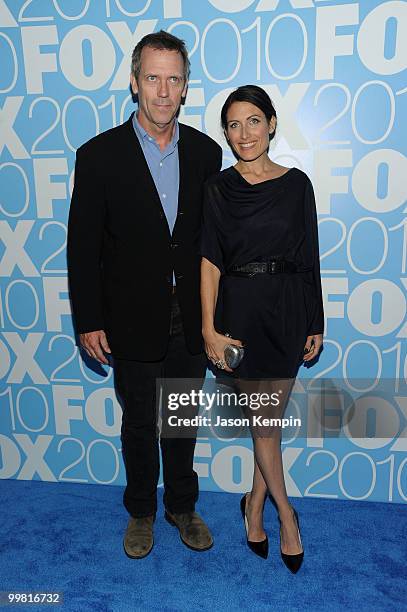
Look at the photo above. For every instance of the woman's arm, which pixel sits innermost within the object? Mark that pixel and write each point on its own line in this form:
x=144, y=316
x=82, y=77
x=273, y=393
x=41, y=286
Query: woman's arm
x=210, y=276
x=214, y=342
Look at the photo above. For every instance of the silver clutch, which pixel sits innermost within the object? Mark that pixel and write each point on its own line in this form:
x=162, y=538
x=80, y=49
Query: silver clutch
x=233, y=354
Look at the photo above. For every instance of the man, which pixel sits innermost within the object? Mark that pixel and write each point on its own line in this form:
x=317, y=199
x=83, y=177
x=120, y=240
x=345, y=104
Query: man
x=133, y=261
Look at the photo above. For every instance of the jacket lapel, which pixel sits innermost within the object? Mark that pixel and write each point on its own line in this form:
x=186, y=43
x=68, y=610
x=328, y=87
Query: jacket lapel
x=183, y=176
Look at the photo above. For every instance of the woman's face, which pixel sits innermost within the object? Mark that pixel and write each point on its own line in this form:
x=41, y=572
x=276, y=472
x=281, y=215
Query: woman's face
x=248, y=130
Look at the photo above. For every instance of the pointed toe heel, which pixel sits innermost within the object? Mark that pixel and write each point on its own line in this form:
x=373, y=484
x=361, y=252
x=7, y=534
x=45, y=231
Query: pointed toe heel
x=261, y=549
x=293, y=562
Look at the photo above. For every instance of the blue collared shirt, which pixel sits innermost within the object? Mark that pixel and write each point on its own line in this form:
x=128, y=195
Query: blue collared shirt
x=164, y=168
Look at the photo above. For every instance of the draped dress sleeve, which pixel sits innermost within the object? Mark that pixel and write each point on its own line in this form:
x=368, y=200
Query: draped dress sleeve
x=316, y=325
x=211, y=247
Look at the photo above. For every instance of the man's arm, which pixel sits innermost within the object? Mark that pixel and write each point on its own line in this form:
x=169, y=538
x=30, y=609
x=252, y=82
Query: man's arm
x=85, y=239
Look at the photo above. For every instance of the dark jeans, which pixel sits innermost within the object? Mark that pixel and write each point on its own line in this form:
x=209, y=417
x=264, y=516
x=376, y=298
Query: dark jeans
x=135, y=383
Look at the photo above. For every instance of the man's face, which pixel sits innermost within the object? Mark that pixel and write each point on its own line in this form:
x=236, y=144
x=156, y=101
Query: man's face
x=160, y=87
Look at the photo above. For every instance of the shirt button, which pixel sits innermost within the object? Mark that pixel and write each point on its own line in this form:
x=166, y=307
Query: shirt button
x=161, y=164
x=164, y=195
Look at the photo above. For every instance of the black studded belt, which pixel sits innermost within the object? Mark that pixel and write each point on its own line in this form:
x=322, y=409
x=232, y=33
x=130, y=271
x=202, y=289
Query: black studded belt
x=274, y=266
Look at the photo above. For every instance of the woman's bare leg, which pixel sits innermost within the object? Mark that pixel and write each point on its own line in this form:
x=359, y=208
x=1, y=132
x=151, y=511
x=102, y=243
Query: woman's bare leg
x=269, y=474
x=255, y=505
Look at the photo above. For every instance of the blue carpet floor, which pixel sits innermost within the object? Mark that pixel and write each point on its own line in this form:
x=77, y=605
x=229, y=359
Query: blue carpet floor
x=68, y=537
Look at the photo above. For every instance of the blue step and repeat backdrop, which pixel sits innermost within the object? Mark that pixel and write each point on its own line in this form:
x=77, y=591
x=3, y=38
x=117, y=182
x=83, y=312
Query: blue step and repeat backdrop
x=336, y=72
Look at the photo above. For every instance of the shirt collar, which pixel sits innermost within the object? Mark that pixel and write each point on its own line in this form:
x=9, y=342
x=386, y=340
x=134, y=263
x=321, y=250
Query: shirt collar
x=146, y=136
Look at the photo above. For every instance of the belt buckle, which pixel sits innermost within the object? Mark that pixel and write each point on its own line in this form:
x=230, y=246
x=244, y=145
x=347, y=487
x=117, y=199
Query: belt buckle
x=259, y=268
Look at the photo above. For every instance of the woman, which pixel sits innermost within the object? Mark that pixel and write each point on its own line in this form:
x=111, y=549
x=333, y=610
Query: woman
x=261, y=285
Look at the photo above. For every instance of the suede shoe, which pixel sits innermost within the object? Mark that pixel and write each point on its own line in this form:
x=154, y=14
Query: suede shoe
x=138, y=539
x=192, y=529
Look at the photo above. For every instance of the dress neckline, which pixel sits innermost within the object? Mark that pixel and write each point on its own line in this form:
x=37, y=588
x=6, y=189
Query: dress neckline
x=276, y=178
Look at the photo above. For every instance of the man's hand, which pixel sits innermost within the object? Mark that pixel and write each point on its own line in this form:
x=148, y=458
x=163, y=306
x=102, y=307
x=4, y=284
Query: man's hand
x=94, y=344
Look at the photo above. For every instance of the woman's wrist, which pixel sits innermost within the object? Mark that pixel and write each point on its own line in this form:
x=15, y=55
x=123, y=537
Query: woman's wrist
x=208, y=332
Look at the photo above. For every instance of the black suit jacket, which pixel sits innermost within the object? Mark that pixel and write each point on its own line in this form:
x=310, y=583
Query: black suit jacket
x=121, y=254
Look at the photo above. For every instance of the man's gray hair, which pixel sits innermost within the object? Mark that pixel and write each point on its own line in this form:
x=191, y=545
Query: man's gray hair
x=159, y=40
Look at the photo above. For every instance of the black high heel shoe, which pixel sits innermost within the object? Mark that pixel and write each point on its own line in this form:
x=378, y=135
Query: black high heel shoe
x=293, y=562
x=259, y=548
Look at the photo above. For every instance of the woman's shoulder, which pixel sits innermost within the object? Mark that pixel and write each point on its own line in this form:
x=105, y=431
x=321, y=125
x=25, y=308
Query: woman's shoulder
x=298, y=174
x=299, y=179
x=221, y=182
x=220, y=176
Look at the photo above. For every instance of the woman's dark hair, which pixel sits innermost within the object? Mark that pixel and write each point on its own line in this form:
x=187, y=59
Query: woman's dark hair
x=254, y=95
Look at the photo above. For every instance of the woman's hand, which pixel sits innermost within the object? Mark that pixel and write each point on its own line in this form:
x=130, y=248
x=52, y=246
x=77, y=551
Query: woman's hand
x=312, y=347
x=215, y=348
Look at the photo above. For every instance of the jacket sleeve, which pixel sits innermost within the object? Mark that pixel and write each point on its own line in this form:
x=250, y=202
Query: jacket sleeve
x=85, y=241
x=311, y=228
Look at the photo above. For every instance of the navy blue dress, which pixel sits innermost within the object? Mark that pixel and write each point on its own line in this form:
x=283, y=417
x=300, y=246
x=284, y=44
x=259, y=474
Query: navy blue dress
x=272, y=314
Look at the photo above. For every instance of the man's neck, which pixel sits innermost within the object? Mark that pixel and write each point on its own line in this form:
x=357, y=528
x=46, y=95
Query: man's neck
x=163, y=135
